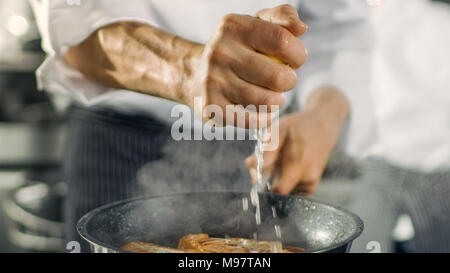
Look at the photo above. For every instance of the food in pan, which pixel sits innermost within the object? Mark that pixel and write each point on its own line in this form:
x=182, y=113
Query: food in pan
x=141, y=247
x=202, y=243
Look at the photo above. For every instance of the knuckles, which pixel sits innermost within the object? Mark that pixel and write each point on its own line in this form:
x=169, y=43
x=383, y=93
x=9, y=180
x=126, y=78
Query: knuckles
x=282, y=37
x=303, y=55
x=283, y=79
x=229, y=18
x=211, y=84
x=229, y=23
x=219, y=54
x=268, y=99
x=287, y=9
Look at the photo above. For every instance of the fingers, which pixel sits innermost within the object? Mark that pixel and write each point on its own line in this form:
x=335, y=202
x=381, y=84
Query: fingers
x=297, y=178
x=235, y=102
x=266, y=172
x=246, y=117
x=236, y=116
x=277, y=41
x=296, y=174
x=285, y=16
x=298, y=170
x=265, y=37
x=264, y=71
x=247, y=94
x=241, y=45
x=290, y=175
x=309, y=181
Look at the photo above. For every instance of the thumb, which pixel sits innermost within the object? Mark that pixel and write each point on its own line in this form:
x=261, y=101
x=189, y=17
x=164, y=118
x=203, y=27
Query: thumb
x=289, y=176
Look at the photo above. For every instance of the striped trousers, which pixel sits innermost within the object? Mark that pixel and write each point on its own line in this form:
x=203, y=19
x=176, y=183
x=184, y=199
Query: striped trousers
x=387, y=191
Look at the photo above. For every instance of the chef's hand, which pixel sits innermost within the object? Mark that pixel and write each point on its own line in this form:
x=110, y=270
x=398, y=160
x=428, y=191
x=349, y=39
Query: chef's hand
x=231, y=69
x=234, y=69
x=306, y=140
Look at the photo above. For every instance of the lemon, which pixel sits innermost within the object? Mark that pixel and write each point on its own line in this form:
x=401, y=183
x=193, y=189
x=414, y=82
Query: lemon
x=275, y=59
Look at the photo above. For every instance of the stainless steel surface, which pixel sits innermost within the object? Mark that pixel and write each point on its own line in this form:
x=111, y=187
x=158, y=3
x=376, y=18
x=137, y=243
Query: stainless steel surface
x=32, y=217
x=37, y=208
x=8, y=181
x=25, y=146
x=163, y=220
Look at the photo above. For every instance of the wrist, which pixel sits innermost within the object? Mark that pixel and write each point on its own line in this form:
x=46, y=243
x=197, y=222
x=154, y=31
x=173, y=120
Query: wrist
x=329, y=103
x=330, y=107
x=190, y=66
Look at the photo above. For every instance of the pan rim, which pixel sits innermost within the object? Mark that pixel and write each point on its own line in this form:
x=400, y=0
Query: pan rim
x=84, y=220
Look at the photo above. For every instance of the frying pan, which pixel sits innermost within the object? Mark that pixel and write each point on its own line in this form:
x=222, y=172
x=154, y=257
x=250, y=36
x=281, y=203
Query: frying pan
x=163, y=220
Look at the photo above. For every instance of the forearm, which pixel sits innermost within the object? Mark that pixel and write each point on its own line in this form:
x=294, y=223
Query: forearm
x=232, y=68
x=137, y=57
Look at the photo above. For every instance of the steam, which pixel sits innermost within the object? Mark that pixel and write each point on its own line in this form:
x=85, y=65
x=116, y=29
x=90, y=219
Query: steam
x=193, y=166
x=198, y=166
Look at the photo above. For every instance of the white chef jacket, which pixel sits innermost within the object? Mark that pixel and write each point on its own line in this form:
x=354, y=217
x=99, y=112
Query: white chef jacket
x=338, y=41
x=411, y=83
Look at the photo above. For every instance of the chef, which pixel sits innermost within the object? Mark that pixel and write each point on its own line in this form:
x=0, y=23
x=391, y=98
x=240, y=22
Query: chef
x=407, y=168
x=119, y=68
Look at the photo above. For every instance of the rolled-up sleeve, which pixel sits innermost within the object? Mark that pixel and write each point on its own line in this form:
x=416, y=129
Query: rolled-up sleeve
x=65, y=23
x=339, y=43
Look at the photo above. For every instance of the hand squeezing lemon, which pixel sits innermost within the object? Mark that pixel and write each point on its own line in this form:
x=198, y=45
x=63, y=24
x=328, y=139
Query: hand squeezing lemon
x=275, y=59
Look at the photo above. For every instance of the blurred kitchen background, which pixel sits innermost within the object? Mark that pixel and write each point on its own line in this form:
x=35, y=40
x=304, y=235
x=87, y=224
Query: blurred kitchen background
x=32, y=136
x=31, y=140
